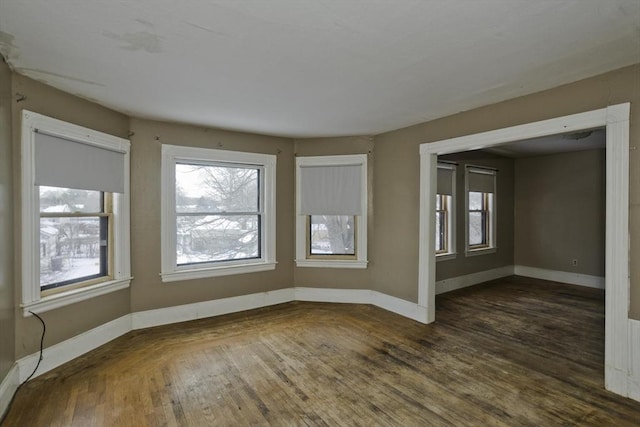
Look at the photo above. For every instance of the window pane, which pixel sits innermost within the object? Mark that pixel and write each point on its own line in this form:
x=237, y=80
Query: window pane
x=477, y=232
x=215, y=189
x=58, y=200
x=211, y=238
x=69, y=250
x=440, y=246
x=475, y=201
x=332, y=234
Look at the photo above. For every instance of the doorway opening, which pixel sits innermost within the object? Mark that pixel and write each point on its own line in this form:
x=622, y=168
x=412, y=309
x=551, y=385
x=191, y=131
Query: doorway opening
x=615, y=119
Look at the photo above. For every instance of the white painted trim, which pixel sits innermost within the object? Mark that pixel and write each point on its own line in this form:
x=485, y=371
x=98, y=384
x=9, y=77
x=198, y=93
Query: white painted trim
x=67, y=350
x=73, y=296
x=331, y=263
x=331, y=295
x=616, y=120
x=204, y=309
x=446, y=256
x=171, y=154
x=560, y=276
x=617, y=248
x=30, y=209
x=399, y=306
x=199, y=273
x=453, y=283
x=361, y=261
x=8, y=388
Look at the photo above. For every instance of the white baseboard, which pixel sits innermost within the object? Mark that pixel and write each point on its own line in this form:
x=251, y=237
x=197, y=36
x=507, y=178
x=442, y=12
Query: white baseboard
x=8, y=388
x=204, y=309
x=460, y=282
x=560, y=276
x=348, y=296
x=67, y=350
x=399, y=306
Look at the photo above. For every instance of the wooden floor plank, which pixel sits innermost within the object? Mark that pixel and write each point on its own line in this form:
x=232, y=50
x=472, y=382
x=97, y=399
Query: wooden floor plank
x=510, y=352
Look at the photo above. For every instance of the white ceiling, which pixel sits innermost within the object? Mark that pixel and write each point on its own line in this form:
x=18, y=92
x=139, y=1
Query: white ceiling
x=313, y=67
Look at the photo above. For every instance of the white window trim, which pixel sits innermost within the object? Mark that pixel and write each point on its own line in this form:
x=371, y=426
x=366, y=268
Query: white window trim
x=451, y=232
x=361, y=220
x=493, y=246
x=31, y=298
x=170, y=271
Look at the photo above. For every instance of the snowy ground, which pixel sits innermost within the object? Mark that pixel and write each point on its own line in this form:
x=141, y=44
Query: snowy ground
x=72, y=268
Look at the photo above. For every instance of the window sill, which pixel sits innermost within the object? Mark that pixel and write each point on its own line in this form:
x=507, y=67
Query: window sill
x=483, y=251
x=333, y=263
x=227, y=270
x=446, y=257
x=73, y=296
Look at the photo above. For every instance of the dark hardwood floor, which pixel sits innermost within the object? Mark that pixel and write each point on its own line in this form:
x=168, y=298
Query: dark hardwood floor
x=509, y=352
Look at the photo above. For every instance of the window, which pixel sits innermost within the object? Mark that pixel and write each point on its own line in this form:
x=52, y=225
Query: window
x=445, y=212
x=331, y=211
x=442, y=223
x=75, y=209
x=218, y=214
x=481, y=190
x=74, y=235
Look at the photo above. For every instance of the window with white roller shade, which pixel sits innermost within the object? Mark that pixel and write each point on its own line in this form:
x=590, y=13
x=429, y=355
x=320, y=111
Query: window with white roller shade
x=480, y=203
x=331, y=190
x=75, y=210
x=445, y=212
x=63, y=162
x=331, y=220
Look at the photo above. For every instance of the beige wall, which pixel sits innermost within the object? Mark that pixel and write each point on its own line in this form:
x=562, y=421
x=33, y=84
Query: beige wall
x=463, y=265
x=7, y=324
x=560, y=211
x=397, y=168
x=340, y=278
x=147, y=291
x=65, y=322
x=393, y=204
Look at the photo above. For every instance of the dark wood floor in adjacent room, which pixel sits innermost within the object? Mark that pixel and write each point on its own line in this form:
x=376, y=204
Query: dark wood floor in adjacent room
x=510, y=352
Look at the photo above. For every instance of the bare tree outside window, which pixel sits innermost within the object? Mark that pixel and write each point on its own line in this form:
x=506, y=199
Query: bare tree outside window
x=73, y=236
x=218, y=212
x=332, y=234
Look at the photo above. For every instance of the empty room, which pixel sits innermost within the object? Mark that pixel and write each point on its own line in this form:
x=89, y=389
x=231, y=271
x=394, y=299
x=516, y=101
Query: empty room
x=319, y=212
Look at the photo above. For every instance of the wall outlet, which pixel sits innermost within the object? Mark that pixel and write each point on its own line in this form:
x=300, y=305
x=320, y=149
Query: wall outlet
x=574, y=262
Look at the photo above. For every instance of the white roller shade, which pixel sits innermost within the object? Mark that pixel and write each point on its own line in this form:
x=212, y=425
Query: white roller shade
x=482, y=180
x=445, y=181
x=61, y=162
x=330, y=190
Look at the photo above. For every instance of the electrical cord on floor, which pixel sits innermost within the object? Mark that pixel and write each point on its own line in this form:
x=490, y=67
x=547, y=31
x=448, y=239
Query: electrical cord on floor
x=44, y=330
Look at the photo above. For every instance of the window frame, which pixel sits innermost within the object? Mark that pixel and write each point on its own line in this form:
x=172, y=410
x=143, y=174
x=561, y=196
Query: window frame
x=491, y=206
x=443, y=200
x=33, y=298
x=174, y=154
x=451, y=247
x=105, y=215
x=303, y=241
